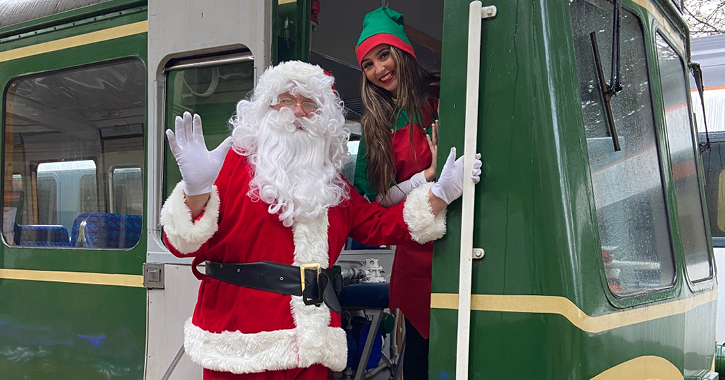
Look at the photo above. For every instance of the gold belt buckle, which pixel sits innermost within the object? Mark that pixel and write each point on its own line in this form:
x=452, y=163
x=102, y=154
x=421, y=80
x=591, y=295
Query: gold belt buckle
x=311, y=301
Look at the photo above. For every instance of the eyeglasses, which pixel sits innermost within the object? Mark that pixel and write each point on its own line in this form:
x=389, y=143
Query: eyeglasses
x=291, y=103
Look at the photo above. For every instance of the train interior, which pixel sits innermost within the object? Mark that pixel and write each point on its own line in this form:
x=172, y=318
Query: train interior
x=74, y=143
x=335, y=33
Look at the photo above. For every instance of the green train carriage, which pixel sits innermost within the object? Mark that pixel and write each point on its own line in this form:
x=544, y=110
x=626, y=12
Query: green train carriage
x=598, y=262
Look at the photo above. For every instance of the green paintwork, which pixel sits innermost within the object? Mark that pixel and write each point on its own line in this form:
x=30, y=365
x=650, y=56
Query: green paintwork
x=292, y=42
x=72, y=331
x=535, y=215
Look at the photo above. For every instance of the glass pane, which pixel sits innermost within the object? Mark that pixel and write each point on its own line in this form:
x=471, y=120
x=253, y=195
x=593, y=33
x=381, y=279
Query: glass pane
x=64, y=130
x=684, y=169
x=127, y=191
x=213, y=93
x=628, y=191
x=713, y=162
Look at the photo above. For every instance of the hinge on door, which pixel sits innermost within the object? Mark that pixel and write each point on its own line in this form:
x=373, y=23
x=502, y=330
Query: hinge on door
x=488, y=12
x=153, y=275
x=478, y=253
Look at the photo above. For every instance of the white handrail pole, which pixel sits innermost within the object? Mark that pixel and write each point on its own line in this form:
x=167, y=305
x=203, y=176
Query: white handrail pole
x=469, y=151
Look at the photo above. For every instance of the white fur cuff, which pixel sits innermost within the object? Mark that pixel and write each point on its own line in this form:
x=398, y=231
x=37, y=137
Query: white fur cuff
x=240, y=353
x=183, y=233
x=418, y=215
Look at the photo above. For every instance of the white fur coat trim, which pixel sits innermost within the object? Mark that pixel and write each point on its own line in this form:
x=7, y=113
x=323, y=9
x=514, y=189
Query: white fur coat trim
x=418, y=215
x=239, y=353
x=311, y=341
x=311, y=246
x=183, y=233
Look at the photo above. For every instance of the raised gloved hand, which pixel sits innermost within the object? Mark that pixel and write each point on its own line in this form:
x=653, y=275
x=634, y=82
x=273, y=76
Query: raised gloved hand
x=450, y=184
x=198, y=166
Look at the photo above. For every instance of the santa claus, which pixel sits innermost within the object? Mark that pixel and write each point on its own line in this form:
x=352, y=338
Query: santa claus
x=268, y=217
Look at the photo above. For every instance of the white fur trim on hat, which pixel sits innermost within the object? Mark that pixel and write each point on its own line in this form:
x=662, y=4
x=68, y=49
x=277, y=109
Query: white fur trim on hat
x=418, y=215
x=307, y=78
x=183, y=233
x=296, y=71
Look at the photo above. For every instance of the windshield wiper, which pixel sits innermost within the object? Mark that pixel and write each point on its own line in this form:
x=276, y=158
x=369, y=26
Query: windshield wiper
x=696, y=71
x=614, y=78
x=607, y=91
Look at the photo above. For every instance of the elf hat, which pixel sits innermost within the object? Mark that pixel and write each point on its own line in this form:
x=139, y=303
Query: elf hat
x=382, y=26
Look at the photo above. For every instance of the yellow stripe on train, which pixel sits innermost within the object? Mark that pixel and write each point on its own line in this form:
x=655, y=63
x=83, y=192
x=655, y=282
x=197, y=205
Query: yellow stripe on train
x=75, y=41
x=567, y=309
x=130, y=280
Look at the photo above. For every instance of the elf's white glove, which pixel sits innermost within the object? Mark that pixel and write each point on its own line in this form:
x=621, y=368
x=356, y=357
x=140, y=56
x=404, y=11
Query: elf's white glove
x=198, y=166
x=450, y=184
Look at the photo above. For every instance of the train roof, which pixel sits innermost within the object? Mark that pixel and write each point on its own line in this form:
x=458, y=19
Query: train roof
x=709, y=52
x=14, y=12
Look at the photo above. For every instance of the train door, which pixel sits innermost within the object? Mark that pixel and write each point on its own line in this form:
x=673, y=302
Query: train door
x=203, y=58
x=334, y=32
x=72, y=303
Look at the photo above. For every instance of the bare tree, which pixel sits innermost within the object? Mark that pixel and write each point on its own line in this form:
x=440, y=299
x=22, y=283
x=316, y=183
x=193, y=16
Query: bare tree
x=705, y=17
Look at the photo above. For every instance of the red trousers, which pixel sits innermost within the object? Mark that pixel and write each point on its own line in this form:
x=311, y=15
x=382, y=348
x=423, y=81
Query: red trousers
x=314, y=372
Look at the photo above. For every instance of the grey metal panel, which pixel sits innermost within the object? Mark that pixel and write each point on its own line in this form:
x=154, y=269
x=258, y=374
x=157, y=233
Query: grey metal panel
x=180, y=29
x=14, y=12
x=186, y=28
x=168, y=309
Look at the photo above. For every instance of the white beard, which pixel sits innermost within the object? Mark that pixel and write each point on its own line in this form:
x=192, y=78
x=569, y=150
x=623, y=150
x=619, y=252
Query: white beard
x=296, y=163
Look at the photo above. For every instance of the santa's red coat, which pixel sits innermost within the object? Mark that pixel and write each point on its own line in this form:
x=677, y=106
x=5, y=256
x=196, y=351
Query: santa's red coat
x=241, y=330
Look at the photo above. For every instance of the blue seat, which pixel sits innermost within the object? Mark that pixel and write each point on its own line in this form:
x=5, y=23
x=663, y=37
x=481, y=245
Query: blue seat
x=36, y=235
x=106, y=230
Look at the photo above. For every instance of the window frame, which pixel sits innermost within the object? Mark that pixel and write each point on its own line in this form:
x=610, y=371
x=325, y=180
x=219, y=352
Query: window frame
x=33, y=165
x=651, y=294
x=705, y=283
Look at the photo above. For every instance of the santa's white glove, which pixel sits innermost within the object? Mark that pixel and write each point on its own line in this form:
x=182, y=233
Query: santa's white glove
x=450, y=184
x=198, y=166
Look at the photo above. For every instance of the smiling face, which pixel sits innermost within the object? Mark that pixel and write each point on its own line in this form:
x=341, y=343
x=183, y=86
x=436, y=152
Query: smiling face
x=379, y=67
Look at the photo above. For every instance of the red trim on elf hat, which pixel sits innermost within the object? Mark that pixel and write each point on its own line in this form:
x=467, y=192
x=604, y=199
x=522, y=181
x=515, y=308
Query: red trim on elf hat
x=382, y=38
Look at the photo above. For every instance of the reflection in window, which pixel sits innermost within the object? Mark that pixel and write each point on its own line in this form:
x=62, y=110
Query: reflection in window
x=684, y=169
x=64, y=130
x=628, y=191
x=213, y=93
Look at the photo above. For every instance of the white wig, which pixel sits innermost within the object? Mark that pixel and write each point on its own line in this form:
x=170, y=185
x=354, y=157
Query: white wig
x=287, y=176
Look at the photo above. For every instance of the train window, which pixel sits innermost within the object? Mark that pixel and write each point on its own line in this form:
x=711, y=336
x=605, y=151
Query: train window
x=684, y=168
x=63, y=132
x=628, y=192
x=712, y=165
x=211, y=90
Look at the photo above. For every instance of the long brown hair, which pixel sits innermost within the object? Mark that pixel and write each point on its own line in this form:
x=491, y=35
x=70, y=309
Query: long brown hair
x=415, y=85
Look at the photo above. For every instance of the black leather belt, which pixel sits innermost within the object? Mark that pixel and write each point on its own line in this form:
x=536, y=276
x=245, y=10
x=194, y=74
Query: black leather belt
x=309, y=281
